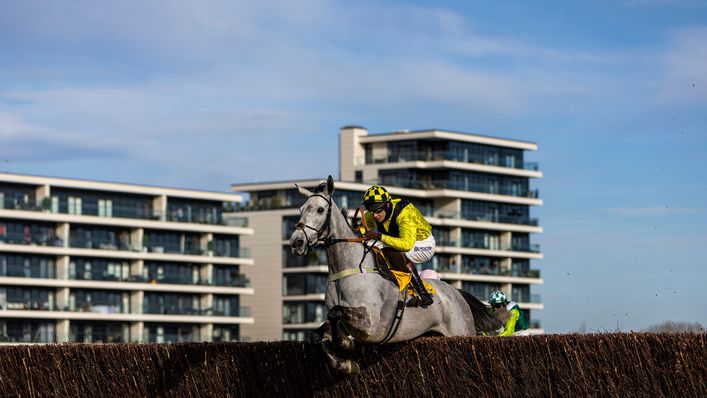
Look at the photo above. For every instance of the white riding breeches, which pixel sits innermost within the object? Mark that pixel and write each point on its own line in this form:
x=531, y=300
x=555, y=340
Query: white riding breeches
x=422, y=251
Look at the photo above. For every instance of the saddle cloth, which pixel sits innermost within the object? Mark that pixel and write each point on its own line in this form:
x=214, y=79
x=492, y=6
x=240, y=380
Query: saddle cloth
x=392, y=266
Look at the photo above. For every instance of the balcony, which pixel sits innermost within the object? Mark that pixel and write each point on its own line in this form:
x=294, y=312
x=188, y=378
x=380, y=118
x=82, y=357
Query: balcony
x=431, y=156
x=488, y=218
x=143, y=211
x=531, y=248
x=495, y=271
x=429, y=184
x=239, y=281
x=33, y=240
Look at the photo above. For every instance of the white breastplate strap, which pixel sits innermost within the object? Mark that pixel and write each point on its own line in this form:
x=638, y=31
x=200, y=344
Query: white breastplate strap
x=349, y=272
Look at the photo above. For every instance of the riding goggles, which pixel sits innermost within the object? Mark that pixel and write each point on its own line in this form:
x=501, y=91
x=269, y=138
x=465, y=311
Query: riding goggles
x=376, y=207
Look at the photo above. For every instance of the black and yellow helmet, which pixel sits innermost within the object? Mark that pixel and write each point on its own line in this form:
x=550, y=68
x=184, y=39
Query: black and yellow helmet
x=376, y=194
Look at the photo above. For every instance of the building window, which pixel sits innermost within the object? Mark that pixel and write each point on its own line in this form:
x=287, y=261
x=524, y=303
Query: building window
x=74, y=205
x=359, y=176
x=105, y=208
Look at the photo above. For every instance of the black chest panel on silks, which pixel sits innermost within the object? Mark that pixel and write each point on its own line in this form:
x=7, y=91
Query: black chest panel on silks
x=393, y=228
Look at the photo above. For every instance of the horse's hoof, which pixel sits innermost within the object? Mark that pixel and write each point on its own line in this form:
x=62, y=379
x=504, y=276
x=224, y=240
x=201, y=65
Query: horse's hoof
x=349, y=367
x=355, y=369
x=346, y=344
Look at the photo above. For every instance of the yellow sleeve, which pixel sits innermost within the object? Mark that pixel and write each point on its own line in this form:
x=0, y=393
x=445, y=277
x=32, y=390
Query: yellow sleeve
x=408, y=233
x=510, y=326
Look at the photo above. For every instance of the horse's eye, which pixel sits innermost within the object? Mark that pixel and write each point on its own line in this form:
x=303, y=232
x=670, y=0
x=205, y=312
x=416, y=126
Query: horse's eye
x=320, y=210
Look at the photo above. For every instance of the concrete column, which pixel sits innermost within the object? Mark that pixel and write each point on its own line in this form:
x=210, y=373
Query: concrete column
x=206, y=332
x=136, y=300
x=205, y=243
x=505, y=240
x=137, y=267
x=350, y=151
x=206, y=273
x=206, y=301
x=159, y=207
x=455, y=234
x=507, y=288
x=62, y=330
x=505, y=265
x=136, y=235
x=41, y=193
x=62, y=267
x=62, y=298
x=136, y=331
x=62, y=232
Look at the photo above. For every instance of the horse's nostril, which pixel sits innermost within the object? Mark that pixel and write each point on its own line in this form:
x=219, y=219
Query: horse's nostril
x=298, y=243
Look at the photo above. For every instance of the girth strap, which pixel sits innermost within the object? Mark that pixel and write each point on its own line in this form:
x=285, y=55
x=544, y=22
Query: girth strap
x=399, y=310
x=351, y=271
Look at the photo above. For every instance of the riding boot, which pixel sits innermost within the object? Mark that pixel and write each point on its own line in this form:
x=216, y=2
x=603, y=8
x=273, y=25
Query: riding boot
x=423, y=298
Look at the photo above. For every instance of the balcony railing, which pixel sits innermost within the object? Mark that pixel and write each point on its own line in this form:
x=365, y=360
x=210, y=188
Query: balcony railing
x=532, y=248
x=33, y=240
x=429, y=184
x=427, y=156
x=474, y=270
x=488, y=218
x=130, y=212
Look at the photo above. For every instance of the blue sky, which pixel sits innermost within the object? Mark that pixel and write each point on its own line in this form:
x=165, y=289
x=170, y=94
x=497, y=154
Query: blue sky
x=204, y=95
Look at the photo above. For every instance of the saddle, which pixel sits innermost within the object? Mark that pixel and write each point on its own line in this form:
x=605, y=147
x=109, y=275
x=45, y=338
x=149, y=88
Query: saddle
x=392, y=265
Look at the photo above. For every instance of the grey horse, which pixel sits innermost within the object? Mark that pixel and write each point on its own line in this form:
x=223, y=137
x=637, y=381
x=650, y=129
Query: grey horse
x=364, y=307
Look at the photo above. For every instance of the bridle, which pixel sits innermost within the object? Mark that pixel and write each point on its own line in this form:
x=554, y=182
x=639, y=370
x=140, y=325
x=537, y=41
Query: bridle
x=325, y=226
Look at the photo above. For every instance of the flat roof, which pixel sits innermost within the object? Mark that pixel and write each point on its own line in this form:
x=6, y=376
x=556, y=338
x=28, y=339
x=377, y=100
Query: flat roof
x=401, y=135
x=119, y=187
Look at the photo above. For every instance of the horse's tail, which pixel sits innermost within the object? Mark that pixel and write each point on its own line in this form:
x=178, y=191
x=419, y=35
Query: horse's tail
x=483, y=320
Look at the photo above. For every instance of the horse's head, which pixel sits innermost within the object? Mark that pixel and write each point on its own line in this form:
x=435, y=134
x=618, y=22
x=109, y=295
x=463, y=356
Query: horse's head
x=315, y=220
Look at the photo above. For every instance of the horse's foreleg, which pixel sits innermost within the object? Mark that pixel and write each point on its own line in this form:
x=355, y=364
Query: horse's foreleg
x=338, y=331
x=345, y=366
x=321, y=334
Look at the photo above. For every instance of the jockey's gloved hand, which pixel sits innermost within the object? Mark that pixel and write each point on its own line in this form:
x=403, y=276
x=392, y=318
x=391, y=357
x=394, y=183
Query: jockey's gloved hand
x=373, y=235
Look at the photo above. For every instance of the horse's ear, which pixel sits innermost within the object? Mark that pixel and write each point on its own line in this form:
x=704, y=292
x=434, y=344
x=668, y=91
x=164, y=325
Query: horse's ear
x=330, y=186
x=304, y=191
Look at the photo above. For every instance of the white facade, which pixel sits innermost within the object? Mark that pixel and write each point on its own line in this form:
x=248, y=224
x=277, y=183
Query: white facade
x=91, y=261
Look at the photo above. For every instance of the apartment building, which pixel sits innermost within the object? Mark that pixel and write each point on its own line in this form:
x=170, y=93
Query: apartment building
x=90, y=261
x=474, y=190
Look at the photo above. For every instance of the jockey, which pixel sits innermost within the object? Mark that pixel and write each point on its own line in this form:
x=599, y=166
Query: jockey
x=401, y=226
x=507, y=312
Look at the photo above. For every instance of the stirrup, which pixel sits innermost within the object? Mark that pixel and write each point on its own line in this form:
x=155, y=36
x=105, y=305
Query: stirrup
x=426, y=301
x=417, y=301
